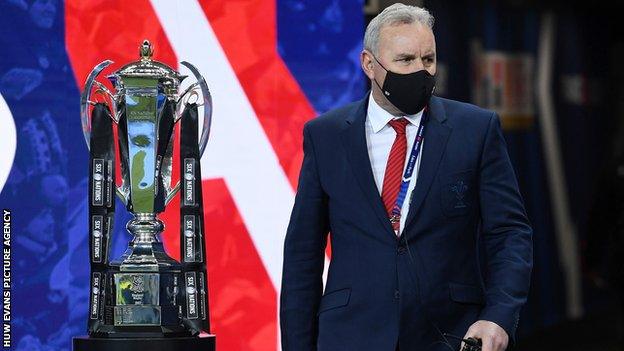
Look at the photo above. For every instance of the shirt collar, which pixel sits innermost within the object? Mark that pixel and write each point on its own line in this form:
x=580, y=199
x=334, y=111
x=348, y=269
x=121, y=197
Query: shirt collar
x=379, y=117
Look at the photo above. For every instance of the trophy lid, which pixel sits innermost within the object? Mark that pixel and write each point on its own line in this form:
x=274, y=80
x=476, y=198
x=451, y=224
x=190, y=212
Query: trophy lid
x=146, y=67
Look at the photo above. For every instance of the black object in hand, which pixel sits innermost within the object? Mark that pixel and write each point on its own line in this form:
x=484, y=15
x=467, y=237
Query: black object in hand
x=472, y=344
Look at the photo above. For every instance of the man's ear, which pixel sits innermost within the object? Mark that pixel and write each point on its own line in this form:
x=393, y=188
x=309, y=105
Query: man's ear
x=366, y=61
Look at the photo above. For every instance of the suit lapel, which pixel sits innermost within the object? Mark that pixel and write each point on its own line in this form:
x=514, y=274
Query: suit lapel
x=354, y=139
x=436, y=136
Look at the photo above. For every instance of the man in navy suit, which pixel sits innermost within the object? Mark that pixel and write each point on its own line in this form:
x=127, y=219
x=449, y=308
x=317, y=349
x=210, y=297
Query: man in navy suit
x=430, y=240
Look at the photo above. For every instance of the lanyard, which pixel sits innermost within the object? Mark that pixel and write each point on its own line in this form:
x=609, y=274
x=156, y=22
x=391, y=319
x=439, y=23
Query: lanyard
x=395, y=218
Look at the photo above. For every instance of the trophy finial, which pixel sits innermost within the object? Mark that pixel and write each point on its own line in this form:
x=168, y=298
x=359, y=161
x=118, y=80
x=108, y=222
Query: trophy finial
x=146, y=51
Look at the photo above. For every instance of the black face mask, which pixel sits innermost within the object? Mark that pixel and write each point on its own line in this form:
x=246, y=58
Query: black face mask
x=410, y=92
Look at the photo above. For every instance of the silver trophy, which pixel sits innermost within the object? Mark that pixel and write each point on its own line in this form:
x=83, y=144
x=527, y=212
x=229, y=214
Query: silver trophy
x=146, y=296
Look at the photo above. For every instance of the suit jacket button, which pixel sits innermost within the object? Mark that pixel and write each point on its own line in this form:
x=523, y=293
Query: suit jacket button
x=401, y=250
x=397, y=294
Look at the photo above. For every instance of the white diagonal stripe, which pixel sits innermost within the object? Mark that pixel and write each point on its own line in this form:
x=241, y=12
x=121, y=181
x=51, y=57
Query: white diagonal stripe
x=239, y=150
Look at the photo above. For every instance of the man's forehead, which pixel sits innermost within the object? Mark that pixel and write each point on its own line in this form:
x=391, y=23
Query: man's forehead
x=406, y=38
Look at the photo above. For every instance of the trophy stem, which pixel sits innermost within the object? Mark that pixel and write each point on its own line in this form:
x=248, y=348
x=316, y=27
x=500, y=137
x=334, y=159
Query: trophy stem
x=145, y=252
x=145, y=227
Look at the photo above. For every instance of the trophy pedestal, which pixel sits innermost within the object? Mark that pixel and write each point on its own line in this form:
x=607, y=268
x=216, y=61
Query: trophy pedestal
x=197, y=343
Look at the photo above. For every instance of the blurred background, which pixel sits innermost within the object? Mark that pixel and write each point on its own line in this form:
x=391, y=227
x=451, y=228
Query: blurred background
x=551, y=71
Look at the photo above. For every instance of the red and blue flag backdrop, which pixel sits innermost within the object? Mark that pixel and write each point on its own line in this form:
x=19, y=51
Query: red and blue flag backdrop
x=271, y=66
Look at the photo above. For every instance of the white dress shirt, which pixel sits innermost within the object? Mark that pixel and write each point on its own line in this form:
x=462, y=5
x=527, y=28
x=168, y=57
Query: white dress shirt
x=379, y=139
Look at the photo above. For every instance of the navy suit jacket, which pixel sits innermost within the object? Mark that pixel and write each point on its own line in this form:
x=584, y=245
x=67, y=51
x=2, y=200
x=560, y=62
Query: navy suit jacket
x=465, y=252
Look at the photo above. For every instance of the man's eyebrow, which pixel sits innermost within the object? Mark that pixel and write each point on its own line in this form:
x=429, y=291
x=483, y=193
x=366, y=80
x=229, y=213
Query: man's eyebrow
x=404, y=56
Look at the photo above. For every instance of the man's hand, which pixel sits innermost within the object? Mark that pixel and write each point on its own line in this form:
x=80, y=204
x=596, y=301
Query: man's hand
x=493, y=337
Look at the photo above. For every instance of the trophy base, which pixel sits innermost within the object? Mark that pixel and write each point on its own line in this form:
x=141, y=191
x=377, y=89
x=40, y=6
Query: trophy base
x=196, y=343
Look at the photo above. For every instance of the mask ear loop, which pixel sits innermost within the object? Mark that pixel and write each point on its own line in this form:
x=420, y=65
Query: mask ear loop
x=382, y=66
x=380, y=88
x=376, y=82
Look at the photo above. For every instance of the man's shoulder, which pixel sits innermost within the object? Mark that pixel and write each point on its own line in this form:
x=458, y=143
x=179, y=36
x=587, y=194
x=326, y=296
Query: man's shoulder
x=457, y=112
x=461, y=113
x=333, y=119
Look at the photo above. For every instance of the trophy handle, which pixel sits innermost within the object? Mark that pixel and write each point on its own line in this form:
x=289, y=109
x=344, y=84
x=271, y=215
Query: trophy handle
x=203, y=140
x=172, y=193
x=85, y=99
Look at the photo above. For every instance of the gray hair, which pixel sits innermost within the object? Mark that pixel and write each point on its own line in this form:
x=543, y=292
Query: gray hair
x=393, y=15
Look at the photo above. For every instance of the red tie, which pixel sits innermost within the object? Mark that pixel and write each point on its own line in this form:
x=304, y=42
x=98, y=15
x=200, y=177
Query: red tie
x=394, y=168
